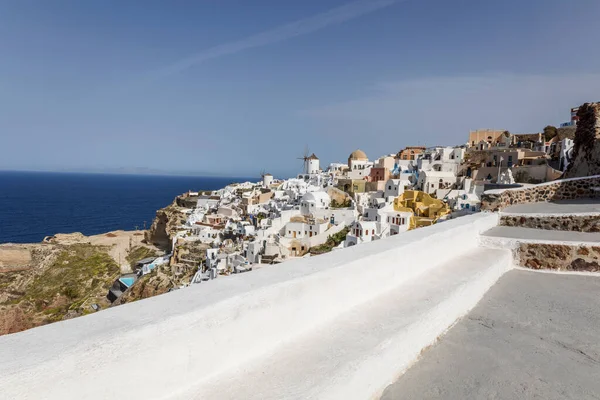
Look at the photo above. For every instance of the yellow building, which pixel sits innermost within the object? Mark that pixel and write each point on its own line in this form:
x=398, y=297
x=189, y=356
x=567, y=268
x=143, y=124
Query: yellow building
x=352, y=186
x=426, y=210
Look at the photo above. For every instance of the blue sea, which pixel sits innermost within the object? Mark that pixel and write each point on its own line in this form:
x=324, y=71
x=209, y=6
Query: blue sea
x=38, y=204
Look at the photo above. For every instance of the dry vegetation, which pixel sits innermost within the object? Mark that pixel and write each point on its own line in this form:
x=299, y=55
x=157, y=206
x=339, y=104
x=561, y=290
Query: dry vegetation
x=78, y=276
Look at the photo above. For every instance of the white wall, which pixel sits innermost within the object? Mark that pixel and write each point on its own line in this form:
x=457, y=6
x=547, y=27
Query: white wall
x=340, y=215
x=176, y=344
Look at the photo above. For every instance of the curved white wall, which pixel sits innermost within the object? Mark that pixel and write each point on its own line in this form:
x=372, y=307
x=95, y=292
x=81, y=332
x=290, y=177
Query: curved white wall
x=161, y=347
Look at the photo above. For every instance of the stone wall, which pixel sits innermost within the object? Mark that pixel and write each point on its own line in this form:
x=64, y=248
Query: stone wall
x=586, y=145
x=558, y=257
x=566, y=189
x=576, y=223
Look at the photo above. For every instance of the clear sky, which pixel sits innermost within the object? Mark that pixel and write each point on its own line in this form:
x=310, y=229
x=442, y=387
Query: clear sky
x=234, y=87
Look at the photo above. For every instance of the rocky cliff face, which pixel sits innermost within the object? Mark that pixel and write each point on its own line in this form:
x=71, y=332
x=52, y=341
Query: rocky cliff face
x=586, y=150
x=161, y=280
x=65, y=276
x=165, y=224
x=60, y=281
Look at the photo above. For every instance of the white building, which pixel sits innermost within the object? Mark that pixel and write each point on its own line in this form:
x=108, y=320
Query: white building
x=359, y=165
x=267, y=180
x=395, y=187
x=313, y=167
x=430, y=181
x=253, y=250
x=446, y=159
x=389, y=221
x=207, y=234
x=361, y=232
x=306, y=228
x=467, y=199
x=398, y=221
x=311, y=202
x=336, y=168
x=378, y=223
x=207, y=201
x=245, y=228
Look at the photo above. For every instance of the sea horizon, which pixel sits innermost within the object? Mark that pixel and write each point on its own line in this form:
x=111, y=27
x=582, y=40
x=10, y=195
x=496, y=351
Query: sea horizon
x=36, y=204
x=155, y=174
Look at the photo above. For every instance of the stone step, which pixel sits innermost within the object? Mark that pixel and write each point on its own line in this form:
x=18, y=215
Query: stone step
x=507, y=237
x=576, y=215
x=547, y=249
x=359, y=353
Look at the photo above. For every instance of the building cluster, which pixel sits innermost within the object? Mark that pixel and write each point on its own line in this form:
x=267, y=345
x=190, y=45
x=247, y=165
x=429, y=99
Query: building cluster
x=247, y=225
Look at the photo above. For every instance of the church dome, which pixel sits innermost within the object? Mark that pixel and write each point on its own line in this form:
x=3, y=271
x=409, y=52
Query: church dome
x=358, y=155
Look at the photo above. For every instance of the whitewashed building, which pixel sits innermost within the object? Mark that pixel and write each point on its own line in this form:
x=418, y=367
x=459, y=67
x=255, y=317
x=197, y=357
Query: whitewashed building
x=359, y=165
x=304, y=229
x=312, y=202
x=395, y=187
x=430, y=181
x=361, y=232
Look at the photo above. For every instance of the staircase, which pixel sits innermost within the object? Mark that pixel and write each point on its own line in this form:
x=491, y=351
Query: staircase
x=561, y=236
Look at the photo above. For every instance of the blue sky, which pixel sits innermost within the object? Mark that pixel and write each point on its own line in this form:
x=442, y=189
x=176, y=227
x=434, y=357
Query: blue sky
x=233, y=87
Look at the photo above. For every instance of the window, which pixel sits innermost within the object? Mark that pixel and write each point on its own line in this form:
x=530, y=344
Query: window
x=389, y=188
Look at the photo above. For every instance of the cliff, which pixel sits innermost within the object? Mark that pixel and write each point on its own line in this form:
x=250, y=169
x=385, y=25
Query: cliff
x=586, y=147
x=167, y=222
x=66, y=276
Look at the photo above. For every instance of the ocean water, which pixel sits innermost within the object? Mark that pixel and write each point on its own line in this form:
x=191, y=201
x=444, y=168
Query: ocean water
x=38, y=204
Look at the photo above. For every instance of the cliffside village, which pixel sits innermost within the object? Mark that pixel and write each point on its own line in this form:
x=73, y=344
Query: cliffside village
x=250, y=225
